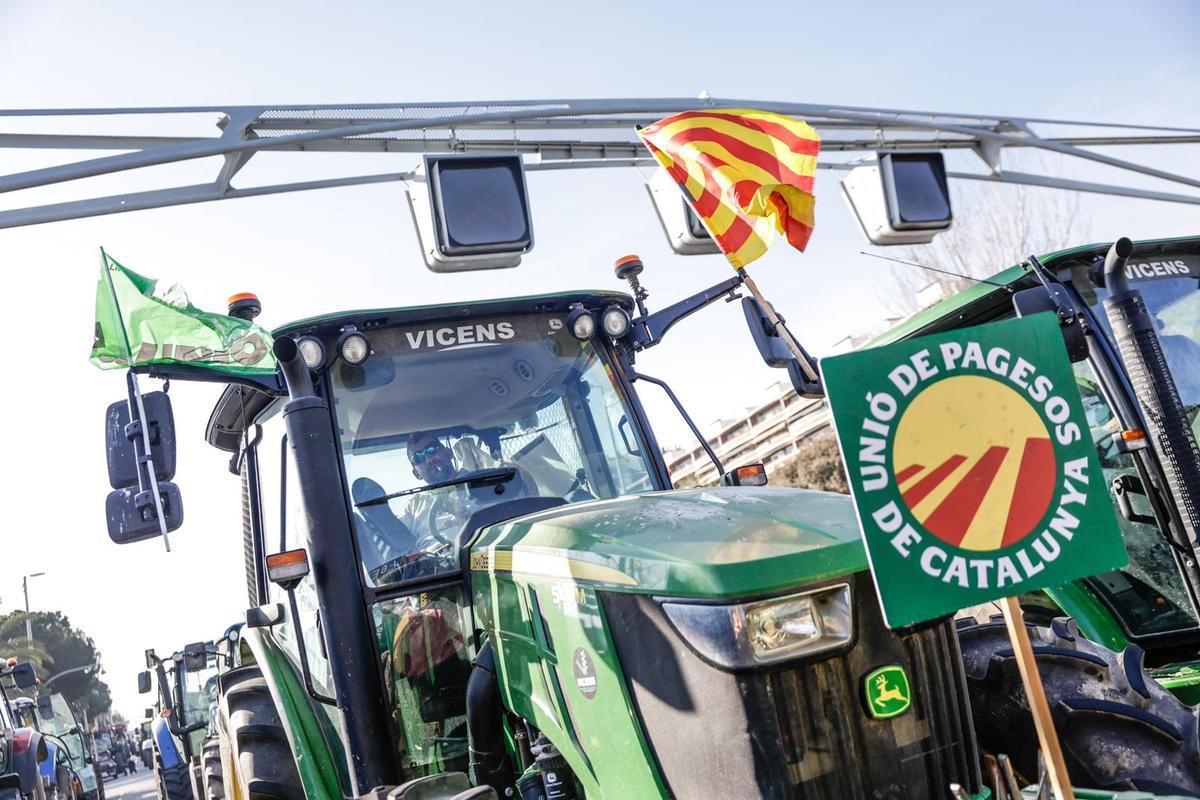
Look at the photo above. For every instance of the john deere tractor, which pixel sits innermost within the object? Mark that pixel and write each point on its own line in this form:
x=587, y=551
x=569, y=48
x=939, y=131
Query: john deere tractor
x=470, y=577
x=1130, y=314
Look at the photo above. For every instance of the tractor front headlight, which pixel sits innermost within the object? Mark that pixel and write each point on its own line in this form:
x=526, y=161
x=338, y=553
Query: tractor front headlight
x=766, y=631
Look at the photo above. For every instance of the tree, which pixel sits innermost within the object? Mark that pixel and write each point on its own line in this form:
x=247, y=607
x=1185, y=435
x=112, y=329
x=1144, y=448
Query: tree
x=58, y=646
x=993, y=228
x=817, y=464
x=14, y=644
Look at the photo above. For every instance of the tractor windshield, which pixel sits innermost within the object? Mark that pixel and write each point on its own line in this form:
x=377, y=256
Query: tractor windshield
x=1174, y=300
x=461, y=417
x=61, y=723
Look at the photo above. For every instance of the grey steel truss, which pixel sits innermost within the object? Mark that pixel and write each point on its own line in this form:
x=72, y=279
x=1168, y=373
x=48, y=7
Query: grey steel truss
x=555, y=134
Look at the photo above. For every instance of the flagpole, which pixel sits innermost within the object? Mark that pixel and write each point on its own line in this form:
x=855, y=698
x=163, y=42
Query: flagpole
x=777, y=322
x=135, y=395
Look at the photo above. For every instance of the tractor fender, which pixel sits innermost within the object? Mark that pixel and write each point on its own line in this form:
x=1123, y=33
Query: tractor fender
x=48, y=764
x=29, y=750
x=164, y=742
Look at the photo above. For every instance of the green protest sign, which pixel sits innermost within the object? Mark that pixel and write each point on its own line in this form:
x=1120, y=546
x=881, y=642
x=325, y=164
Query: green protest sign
x=973, y=471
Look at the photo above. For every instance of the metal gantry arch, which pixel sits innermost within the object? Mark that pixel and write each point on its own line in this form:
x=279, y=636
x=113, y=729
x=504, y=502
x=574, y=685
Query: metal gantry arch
x=552, y=134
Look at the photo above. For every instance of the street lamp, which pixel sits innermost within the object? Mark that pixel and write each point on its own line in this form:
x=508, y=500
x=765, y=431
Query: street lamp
x=28, y=621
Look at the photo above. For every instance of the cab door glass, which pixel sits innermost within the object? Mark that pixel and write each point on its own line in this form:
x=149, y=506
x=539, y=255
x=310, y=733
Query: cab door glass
x=427, y=663
x=1149, y=595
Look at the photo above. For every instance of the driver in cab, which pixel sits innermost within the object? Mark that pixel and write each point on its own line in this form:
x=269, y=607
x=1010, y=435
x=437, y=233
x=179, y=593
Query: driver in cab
x=432, y=520
x=441, y=513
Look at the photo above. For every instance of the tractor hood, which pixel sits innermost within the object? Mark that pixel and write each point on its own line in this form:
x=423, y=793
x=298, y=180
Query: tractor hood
x=719, y=542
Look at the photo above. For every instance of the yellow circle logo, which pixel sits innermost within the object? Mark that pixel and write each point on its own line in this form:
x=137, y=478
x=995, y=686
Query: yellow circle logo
x=974, y=463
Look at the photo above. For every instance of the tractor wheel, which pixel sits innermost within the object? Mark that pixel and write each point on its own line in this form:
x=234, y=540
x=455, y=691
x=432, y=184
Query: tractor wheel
x=260, y=752
x=210, y=760
x=1119, y=729
x=173, y=783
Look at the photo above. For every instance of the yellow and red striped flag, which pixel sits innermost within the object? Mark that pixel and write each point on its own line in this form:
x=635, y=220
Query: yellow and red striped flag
x=748, y=174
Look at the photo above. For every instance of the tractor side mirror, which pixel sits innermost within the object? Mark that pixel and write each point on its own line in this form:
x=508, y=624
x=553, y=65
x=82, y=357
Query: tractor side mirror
x=195, y=656
x=119, y=438
x=144, y=682
x=23, y=675
x=1039, y=299
x=774, y=350
x=132, y=515
x=266, y=616
x=45, y=706
x=131, y=509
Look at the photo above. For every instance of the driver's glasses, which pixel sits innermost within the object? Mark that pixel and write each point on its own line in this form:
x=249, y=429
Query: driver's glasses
x=420, y=456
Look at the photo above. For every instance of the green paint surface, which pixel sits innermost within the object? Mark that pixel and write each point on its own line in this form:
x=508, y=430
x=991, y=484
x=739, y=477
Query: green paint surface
x=719, y=542
x=318, y=766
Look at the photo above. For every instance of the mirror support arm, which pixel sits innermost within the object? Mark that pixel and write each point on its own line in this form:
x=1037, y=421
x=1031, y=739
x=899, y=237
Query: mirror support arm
x=686, y=418
x=304, y=669
x=648, y=330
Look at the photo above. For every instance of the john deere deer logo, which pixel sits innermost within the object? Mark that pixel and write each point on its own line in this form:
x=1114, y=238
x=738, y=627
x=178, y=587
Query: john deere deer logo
x=887, y=692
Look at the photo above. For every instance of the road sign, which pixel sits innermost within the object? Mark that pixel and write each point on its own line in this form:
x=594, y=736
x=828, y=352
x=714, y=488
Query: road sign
x=972, y=465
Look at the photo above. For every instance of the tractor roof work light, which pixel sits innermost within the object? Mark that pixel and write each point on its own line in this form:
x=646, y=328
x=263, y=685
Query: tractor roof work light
x=311, y=350
x=685, y=232
x=471, y=212
x=353, y=347
x=582, y=323
x=615, y=321
x=899, y=198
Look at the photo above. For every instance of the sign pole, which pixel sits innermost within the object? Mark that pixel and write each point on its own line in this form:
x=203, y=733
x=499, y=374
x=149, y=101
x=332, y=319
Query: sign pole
x=1056, y=767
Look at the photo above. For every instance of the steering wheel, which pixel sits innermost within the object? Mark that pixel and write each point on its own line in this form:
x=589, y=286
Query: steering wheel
x=419, y=564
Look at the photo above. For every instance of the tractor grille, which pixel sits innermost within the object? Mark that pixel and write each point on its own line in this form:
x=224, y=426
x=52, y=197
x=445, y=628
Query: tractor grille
x=800, y=732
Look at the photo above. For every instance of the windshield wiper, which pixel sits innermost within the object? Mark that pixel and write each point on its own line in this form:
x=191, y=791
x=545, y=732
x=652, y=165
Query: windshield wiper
x=474, y=480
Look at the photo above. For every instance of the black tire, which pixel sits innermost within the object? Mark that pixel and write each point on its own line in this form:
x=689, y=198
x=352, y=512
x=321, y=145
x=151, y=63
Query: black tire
x=266, y=769
x=210, y=762
x=1120, y=730
x=174, y=783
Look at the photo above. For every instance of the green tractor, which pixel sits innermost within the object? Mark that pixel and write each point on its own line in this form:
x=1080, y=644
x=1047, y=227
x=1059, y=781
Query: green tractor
x=470, y=577
x=1144, y=432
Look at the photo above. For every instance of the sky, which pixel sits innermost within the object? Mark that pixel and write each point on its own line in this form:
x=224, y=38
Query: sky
x=317, y=252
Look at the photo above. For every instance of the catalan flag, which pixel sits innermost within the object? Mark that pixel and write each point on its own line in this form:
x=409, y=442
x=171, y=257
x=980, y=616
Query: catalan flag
x=748, y=173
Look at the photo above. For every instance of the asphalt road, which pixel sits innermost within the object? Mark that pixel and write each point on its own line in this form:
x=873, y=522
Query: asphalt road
x=138, y=786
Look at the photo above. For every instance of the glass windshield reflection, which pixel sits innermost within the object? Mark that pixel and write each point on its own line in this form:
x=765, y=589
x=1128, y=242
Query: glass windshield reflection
x=445, y=421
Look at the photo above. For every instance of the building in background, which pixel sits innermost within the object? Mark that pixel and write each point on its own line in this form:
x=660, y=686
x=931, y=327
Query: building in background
x=767, y=433
x=773, y=431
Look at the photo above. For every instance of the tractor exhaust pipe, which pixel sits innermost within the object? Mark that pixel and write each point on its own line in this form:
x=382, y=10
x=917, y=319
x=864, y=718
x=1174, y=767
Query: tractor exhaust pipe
x=348, y=629
x=1136, y=335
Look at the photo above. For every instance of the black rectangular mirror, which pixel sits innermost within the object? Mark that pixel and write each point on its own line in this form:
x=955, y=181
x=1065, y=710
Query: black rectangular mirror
x=122, y=459
x=195, y=656
x=45, y=706
x=264, y=616
x=775, y=351
x=143, y=682
x=1039, y=299
x=133, y=517
x=23, y=675
x=771, y=347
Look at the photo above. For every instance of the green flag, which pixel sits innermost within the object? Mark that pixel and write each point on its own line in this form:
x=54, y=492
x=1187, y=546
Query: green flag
x=140, y=322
